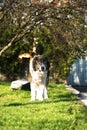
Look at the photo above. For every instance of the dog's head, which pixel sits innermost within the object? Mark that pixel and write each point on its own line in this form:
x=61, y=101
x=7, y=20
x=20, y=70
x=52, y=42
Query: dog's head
x=40, y=63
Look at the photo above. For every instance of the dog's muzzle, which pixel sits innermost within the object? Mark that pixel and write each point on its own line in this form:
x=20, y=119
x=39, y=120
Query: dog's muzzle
x=43, y=68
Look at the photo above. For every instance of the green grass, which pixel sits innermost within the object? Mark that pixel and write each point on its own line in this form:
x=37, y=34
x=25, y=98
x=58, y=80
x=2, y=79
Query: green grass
x=62, y=111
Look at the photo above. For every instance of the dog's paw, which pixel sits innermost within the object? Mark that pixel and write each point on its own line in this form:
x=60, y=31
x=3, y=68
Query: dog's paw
x=32, y=99
x=46, y=98
x=40, y=98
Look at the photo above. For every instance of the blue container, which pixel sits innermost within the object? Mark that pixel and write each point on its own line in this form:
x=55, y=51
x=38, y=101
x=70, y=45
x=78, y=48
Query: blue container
x=78, y=73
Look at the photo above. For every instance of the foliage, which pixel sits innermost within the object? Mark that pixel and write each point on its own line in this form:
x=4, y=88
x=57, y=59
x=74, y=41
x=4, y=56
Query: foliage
x=59, y=31
x=61, y=111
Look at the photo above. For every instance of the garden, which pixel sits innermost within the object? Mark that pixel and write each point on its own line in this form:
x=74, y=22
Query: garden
x=56, y=29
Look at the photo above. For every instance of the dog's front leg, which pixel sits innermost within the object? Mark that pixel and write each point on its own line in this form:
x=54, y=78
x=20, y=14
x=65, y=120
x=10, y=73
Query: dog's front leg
x=39, y=95
x=45, y=95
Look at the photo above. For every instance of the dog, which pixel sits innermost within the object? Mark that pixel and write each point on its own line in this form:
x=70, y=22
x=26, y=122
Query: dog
x=39, y=71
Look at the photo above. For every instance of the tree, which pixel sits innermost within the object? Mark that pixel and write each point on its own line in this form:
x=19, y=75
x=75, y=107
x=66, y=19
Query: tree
x=58, y=28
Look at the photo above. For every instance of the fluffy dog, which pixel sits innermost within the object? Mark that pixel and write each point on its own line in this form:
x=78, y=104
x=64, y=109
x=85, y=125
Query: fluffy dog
x=39, y=70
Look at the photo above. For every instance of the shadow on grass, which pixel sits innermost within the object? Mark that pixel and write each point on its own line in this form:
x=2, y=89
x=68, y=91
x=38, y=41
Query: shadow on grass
x=65, y=97
x=59, y=98
x=21, y=104
x=13, y=104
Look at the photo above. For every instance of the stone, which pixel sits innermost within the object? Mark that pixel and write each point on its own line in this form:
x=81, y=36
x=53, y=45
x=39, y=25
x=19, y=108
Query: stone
x=20, y=85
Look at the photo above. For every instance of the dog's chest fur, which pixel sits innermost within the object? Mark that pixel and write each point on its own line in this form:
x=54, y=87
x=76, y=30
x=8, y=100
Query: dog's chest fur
x=37, y=76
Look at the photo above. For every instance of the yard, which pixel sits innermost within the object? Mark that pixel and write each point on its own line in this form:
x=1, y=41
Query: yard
x=62, y=111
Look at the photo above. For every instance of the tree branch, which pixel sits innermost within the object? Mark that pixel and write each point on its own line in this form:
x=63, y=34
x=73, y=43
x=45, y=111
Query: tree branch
x=8, y=45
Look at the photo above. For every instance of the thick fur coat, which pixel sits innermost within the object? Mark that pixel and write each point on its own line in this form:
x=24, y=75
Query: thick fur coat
x=39, y=71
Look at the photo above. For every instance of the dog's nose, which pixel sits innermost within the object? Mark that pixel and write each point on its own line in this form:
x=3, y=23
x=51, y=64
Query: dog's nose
x=42, y=68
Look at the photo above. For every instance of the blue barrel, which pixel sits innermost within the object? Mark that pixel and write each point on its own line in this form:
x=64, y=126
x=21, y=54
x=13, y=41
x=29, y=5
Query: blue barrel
x=78, y=73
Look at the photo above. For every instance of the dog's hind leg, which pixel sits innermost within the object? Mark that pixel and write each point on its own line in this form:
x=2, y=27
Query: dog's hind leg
x=33, y=92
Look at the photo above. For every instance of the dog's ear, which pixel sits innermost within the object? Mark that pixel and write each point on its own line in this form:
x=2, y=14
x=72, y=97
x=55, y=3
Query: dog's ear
x=48, y=65
x=47, y=62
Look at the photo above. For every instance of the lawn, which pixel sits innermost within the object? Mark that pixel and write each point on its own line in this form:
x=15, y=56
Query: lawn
x=62, y=111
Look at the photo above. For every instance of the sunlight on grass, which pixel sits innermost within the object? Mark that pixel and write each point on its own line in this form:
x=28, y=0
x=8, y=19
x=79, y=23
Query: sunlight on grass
x=62, y=111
